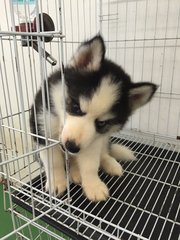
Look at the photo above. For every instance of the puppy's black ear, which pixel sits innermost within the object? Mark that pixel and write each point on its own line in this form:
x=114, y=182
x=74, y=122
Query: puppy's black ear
x=140, y=94
x=89, y=55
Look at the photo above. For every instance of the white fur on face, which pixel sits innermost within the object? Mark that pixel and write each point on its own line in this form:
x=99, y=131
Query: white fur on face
x=58, y=100
x=81, y=129
x=102, y=100
x=51, y=122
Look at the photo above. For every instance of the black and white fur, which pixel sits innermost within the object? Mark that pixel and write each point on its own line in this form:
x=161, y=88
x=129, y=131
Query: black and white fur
x=100, y=97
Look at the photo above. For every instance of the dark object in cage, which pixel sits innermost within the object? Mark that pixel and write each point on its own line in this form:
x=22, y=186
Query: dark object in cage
x=45, y=24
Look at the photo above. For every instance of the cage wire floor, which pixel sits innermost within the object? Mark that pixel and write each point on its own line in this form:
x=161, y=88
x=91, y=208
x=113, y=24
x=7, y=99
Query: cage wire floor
x=143, y=204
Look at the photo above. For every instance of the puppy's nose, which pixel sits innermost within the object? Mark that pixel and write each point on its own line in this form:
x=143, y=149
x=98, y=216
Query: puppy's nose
x=72, y=147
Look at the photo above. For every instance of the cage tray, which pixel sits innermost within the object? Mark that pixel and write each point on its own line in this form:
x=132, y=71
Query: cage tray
x=145, y=201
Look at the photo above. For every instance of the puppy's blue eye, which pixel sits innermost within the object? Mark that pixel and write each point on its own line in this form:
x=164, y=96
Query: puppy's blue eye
x=100, y=124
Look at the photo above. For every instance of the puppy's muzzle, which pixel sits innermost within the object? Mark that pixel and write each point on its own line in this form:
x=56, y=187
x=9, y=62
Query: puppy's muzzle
x=72, y=147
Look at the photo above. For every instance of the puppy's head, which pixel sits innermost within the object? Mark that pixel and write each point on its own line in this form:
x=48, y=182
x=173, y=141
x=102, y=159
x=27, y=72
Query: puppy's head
x=99, y=96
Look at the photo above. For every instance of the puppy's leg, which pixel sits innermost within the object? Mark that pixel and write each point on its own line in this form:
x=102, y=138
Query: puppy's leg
x=53, y=161
x=110, y=165
x=74, y=171
x=93, y=187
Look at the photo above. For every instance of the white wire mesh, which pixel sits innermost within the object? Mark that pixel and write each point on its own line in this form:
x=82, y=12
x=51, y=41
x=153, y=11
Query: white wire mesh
x=143, y=37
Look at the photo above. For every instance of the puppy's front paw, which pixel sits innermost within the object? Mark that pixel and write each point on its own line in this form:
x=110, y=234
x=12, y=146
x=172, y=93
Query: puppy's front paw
x=96, y=190
x=57, y=185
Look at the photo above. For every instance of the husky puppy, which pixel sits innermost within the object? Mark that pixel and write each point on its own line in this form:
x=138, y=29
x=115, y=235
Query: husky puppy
x=99, y=98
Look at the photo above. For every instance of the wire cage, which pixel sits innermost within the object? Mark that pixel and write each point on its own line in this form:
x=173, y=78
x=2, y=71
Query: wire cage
x=142, y=36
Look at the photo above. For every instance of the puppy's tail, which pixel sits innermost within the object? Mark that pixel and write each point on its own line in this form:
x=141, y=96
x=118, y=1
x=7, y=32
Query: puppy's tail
x=120, y=152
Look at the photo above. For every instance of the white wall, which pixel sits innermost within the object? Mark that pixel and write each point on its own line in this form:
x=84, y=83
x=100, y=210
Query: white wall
x=142, y=36
x=144, y=40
